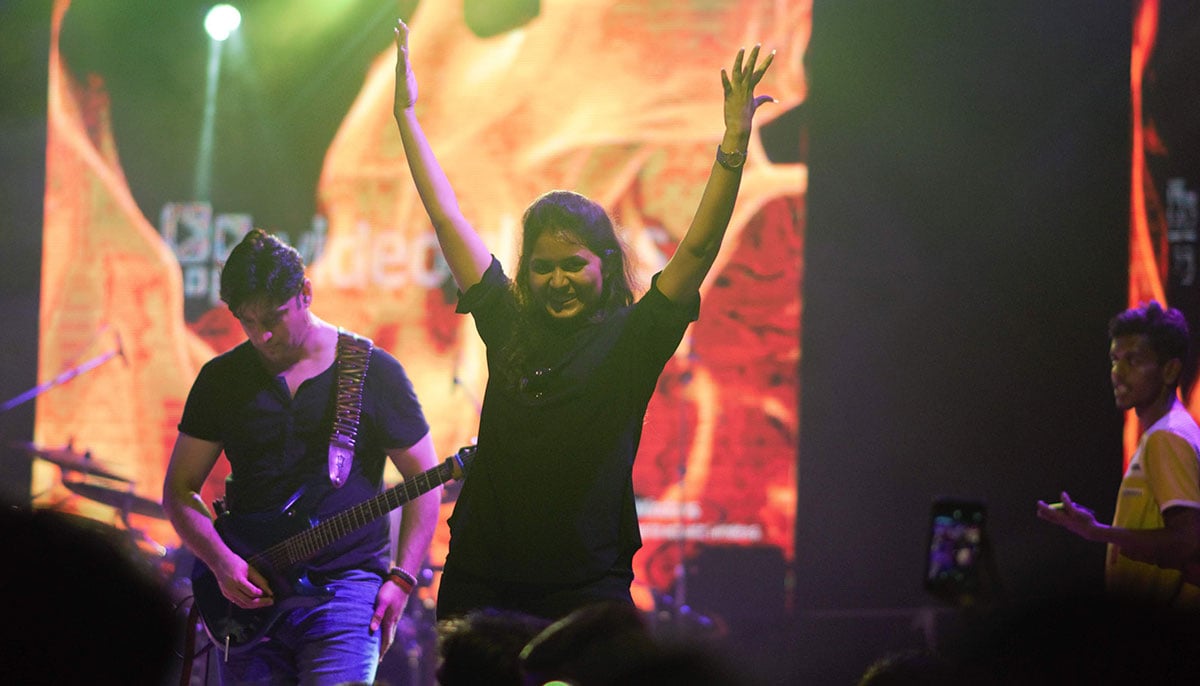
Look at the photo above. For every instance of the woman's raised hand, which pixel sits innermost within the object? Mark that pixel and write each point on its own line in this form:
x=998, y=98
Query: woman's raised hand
x=406, y=81
x=739, y=83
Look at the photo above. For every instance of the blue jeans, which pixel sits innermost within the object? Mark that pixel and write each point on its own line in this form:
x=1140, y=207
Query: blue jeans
x=329, y=643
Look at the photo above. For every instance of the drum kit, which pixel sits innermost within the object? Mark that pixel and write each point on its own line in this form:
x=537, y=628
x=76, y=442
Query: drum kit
x=89, y=478
x=86, y=477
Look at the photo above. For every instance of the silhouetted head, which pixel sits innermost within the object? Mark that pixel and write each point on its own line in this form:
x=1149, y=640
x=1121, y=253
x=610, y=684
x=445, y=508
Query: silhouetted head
x=483, y=647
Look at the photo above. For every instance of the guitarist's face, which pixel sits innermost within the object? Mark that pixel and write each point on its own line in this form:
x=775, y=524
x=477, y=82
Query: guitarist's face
x=277, y=332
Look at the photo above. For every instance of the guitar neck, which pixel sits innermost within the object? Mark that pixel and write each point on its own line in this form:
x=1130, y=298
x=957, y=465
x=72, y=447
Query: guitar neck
x=309, y=542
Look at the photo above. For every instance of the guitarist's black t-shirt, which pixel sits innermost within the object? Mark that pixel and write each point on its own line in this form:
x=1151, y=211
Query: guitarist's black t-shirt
x=278, y=445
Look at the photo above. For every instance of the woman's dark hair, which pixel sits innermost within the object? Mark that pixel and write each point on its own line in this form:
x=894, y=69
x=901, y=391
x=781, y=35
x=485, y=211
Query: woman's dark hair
x=261, y=266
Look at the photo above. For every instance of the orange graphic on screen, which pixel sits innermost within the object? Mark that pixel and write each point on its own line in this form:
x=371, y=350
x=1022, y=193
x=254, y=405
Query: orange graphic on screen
x=618, y=100
x=1150, y=246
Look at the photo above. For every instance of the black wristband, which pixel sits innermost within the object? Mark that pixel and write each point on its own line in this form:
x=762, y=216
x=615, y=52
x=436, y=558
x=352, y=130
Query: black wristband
x=404, y=579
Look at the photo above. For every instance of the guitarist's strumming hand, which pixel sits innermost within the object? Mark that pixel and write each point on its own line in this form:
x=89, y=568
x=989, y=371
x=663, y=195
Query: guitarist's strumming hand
x=389, y=606
x=242, y=584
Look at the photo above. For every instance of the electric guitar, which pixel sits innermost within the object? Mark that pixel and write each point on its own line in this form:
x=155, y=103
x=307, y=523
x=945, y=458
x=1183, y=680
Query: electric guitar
x=277, y=544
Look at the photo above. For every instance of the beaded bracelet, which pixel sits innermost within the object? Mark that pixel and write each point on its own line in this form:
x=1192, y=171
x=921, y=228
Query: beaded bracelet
x=401, y=578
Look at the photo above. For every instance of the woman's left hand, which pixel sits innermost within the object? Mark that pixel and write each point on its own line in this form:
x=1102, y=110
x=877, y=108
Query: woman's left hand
x=740, y=101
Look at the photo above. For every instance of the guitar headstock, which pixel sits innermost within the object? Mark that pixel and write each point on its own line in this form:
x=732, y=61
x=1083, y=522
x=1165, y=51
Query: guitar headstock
x=460, y=462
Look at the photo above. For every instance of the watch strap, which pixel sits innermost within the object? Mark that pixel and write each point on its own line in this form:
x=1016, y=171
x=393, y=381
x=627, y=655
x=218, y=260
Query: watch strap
x=731, y=160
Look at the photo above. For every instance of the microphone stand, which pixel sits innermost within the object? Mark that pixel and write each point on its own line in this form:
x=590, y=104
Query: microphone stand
x=63, y=378
x=674, y=608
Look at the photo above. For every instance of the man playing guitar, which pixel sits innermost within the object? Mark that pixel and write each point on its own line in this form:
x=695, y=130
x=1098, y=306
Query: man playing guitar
x=271, y=404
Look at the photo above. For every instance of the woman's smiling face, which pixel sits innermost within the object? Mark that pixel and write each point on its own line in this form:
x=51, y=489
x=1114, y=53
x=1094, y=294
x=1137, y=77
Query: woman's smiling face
x=565, y=278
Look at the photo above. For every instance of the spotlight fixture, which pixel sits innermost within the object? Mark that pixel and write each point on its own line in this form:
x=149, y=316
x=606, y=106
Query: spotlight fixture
x=221, y=21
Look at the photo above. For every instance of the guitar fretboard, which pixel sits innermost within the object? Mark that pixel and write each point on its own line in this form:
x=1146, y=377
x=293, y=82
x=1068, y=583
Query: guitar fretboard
x=309, y=542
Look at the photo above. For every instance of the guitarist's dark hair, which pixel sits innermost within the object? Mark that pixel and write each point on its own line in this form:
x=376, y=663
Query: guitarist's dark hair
x=261, y=266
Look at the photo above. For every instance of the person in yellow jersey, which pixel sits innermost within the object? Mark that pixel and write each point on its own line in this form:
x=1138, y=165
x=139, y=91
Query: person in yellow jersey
x=1155, y=533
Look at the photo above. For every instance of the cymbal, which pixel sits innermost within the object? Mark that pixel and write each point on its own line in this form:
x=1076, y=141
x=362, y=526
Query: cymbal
x=70, y=460
x=122, y=500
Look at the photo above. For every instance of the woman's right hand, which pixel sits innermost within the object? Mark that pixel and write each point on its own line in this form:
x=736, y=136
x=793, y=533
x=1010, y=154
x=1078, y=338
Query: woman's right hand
x=406, y=81
x=464, y=250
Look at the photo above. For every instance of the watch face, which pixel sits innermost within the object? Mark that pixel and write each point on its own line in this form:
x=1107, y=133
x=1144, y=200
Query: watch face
x=731, y=159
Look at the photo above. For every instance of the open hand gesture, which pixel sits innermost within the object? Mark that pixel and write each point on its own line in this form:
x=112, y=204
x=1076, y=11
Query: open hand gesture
x=406, y=81
x=1070, y=515
x=740, y=101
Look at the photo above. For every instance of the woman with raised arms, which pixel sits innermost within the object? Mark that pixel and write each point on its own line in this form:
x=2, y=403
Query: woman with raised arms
x=545, y=523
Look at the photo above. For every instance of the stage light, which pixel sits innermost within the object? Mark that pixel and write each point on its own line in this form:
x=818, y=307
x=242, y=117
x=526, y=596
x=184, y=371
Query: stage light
x=221, y=21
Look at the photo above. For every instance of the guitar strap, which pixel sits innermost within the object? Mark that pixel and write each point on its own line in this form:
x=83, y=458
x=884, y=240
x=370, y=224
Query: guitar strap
x=354, y=353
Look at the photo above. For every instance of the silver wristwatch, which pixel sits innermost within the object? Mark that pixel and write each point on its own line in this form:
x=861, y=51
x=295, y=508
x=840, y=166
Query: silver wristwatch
x=730, y=160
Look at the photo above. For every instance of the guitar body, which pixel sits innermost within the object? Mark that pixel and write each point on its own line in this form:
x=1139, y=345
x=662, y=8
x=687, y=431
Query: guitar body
x=277, y=545
x=235, y=628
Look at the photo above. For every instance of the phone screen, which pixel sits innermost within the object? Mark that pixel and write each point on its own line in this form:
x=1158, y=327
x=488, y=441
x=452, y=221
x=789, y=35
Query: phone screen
x=955, y=546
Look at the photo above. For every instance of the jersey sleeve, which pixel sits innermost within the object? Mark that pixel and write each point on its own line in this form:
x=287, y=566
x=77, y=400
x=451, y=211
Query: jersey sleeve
x=1172, y=470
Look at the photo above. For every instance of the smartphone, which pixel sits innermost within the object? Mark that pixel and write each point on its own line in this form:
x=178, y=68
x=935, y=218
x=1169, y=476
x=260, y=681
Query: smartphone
x=954, y=564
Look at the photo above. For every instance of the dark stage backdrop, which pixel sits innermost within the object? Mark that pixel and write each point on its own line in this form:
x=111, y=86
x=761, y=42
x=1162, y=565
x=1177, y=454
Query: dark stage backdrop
x=24, y=45
x=966, y=246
